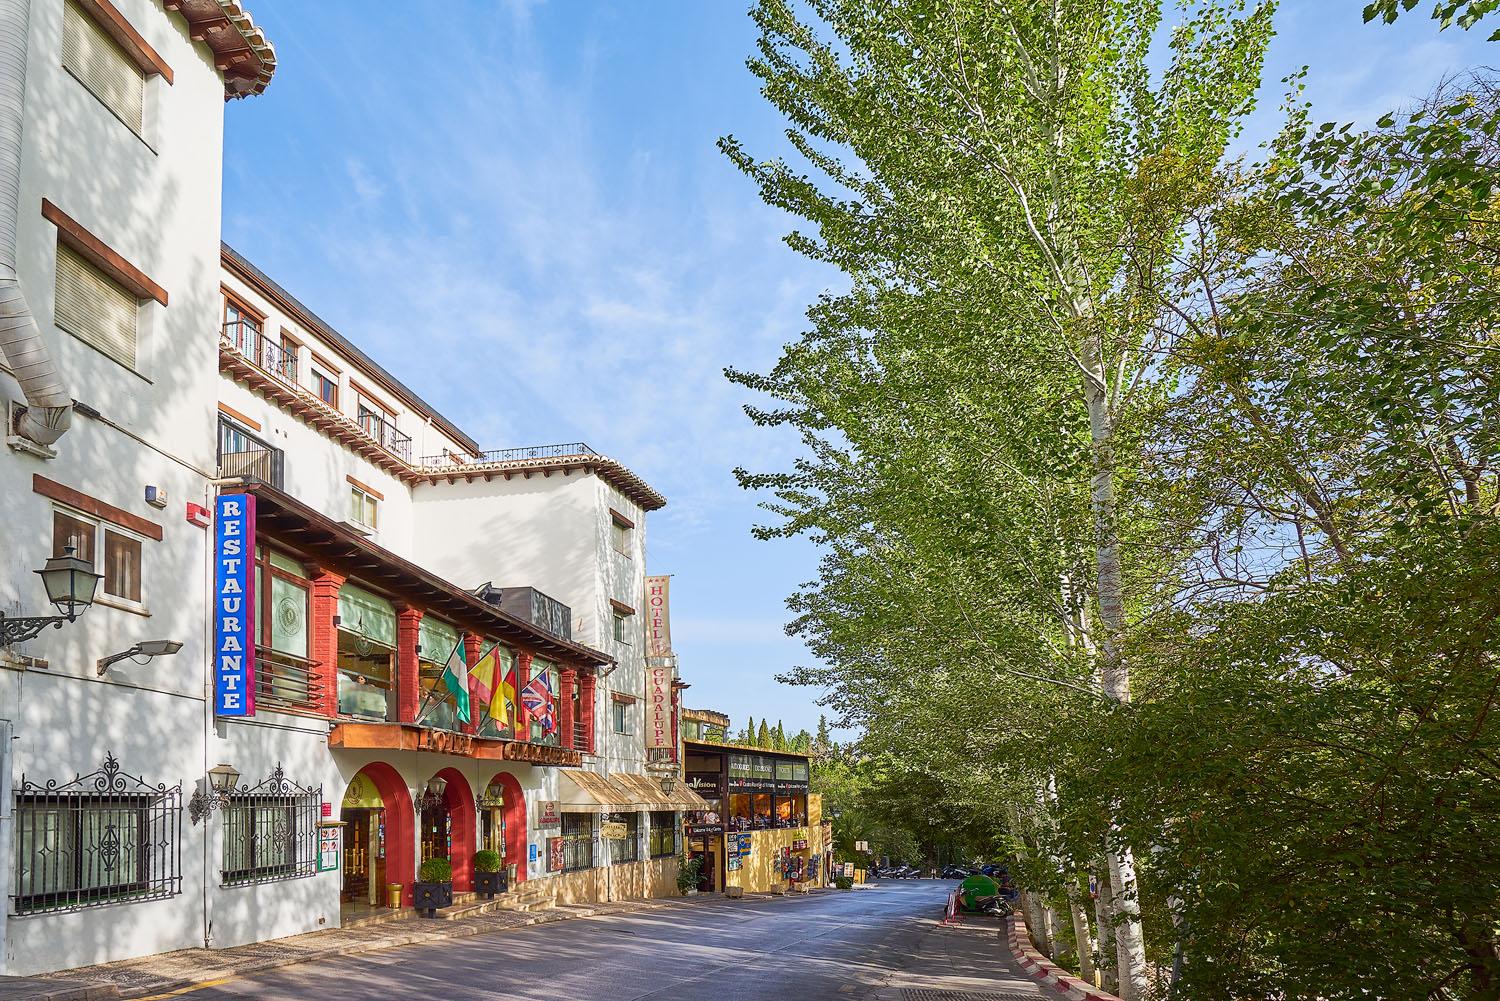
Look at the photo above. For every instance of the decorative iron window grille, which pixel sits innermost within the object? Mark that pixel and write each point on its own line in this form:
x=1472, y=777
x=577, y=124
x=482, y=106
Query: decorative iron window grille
x=578, y=841
x=271, y=831
x=626, y=849
x=104, y=838
x=663, y=834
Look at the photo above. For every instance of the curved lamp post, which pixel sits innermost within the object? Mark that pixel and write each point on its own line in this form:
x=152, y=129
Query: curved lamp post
x=70, y=582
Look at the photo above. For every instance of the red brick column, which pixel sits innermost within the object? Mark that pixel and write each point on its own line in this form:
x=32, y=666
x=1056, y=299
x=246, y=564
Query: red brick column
x=471, y=656
x=523, y=675
x=325, y=638
x=569, y=678
x=408, y=683
x=586, y=707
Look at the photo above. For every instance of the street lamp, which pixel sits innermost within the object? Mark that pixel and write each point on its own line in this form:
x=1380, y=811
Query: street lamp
x=70, y=582
x=432, y=796
x=150, y=649
x=221, y=779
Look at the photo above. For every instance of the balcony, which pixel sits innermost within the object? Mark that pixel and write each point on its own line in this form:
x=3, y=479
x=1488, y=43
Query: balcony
x=266, y=367
x=266, y=354
x=383, y=433
x=531, y=605
x=523, y=454
x=264, y=464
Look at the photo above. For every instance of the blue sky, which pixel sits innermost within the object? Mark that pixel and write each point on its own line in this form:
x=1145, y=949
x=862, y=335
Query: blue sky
x=518, y=208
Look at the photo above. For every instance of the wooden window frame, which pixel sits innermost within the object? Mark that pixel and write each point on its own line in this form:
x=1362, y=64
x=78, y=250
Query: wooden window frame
x=74, y=236
x=116, y=26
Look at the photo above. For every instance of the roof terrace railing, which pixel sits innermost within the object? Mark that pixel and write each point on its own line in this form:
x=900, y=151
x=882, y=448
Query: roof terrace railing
x=509, y=455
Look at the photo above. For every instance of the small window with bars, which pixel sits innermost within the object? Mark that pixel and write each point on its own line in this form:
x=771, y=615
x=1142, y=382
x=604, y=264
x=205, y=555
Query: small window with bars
x=98, y=62
x=626, y=849
x=95, y=308
x=104, y=838
x=271, y=831
x=662, y=837
x=578, y=841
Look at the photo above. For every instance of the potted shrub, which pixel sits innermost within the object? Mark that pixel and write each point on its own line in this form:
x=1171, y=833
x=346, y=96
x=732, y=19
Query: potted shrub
x=489, y=874
x=433, y=888
x=843, y=882
x=688, y=871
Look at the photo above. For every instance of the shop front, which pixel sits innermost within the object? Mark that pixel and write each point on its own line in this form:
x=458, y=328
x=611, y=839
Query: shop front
x=377, y=837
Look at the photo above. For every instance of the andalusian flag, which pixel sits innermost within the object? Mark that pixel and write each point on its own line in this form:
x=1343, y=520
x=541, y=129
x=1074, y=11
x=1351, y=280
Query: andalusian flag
x=482, y=679
x=455, y=679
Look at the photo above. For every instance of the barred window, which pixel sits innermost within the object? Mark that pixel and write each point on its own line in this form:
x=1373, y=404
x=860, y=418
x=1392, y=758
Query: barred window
x=271, y=831
x=627, y=849
x=103, y=838
x=663, y=834
x=578, y=841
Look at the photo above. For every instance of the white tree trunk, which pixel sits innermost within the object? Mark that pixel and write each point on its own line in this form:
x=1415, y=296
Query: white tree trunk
x=1104, y=916
x=1130, y=945
x=1081, y=933
x=1049, y=919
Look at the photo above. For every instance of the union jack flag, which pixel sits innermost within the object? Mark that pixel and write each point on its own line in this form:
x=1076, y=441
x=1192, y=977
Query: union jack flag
x=537, y=698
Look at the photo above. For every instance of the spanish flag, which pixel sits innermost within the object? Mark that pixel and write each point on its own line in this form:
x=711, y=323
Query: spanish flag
x=482, y=687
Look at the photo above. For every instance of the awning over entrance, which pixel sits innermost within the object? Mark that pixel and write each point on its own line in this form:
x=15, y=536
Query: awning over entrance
x=646, y=792
x=581, y=791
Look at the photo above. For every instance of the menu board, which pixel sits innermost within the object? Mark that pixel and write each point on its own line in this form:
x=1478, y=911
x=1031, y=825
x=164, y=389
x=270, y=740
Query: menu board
x=554, y=854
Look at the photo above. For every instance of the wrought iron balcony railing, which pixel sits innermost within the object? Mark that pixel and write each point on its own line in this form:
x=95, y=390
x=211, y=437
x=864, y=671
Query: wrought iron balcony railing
x=265, y=464
x=509, y=455
x=267, y=354
x=385, y=434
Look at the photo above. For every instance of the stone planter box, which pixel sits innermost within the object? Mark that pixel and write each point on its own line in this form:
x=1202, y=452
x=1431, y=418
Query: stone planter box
x=428, y=897
x=491, y=883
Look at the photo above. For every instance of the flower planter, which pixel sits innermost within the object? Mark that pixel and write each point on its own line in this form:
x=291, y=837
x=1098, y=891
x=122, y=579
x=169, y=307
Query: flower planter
x=490, y=883
x=428, y=897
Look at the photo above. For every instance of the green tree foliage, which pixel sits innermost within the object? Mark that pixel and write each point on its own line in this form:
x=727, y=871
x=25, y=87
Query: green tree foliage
x=763, y=736
x=1158, y=496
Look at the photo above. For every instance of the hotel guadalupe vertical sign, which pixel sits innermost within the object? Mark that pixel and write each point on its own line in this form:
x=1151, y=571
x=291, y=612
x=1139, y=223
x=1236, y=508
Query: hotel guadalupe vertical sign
x=659, y=708
x=658, y=619
x=234, y=605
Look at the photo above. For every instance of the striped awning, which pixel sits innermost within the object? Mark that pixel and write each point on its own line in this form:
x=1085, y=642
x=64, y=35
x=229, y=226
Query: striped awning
x=647, y=792
x=581, y=791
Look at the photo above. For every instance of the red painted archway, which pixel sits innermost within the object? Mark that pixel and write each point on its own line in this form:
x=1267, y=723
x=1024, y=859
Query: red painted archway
x=515, y=822
x=462, y=815
x=400, y=824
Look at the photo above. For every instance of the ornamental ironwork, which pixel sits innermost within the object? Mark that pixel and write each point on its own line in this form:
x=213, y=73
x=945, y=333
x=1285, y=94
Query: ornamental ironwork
x=271, y=830
x=105, y=837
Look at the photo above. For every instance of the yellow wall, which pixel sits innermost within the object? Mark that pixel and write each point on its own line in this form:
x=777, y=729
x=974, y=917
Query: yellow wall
x=758, y=872
x=631, y=881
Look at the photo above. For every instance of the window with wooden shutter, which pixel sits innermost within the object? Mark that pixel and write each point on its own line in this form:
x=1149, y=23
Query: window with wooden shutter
x=98, y=62
x=94, y=308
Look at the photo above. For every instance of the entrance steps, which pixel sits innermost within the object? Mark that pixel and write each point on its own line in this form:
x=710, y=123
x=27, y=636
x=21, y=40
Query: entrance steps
x=531, y=895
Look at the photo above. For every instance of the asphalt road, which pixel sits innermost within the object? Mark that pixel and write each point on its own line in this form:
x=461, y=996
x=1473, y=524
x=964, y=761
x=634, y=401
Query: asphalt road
x=875, y=943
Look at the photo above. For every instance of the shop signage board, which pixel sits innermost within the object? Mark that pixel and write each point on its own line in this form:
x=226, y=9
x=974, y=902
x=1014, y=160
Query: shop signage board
x=330, y=840
x=555, y=854
x=659, y=708
x=234, y=605
x=704, y=830
x=745, y=842
x=550, y=814
x=658, y=616
x=613, y=831
x=861, y=846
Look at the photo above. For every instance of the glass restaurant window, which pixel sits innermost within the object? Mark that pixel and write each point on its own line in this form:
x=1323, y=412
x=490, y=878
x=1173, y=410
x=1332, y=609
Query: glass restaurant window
x=627, y=849
x=662, y=840
x=367, y=644
x=578, y=841
x=284, y=671
x=439, y=709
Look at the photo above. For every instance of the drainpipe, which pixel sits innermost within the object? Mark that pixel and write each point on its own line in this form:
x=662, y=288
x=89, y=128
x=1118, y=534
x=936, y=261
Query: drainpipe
x=49, y=409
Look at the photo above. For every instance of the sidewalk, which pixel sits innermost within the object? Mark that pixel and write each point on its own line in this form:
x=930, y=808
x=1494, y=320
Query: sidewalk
x=968, y=960
x=153, y=976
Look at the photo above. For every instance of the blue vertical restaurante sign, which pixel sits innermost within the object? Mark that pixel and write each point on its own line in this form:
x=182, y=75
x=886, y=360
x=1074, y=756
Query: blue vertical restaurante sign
x=234, y=605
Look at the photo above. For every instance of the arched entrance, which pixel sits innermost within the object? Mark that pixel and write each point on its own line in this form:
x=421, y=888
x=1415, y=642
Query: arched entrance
x=448, y=827
x=512, y=808
x=378, y=829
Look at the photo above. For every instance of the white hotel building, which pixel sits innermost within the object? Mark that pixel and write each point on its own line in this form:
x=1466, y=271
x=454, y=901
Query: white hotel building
x=149, y=370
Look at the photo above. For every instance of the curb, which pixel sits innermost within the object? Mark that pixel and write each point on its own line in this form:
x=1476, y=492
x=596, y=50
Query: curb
x=1043, y=970
x=443, y=930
